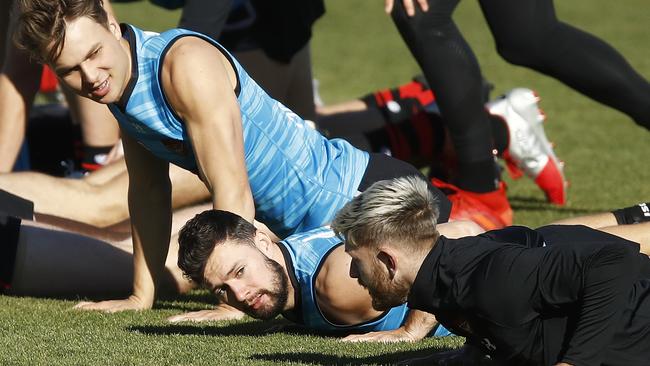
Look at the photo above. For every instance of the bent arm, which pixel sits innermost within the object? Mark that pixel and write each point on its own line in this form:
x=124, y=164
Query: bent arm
x=150, y=210
x=19, y=81
x=200, y=83
x=418, y=324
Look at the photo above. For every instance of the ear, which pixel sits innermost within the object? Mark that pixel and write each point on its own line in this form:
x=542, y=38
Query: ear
x=263, y=242
x=114, y=27
x=388, y=259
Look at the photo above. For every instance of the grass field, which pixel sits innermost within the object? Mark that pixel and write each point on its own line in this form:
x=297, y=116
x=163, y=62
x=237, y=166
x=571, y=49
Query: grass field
x=355, y=50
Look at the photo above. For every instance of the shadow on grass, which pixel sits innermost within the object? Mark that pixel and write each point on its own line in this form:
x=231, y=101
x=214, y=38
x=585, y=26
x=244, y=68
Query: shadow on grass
x=313, y=358
x=225, y=329
x=249, y=327
x=535, y=204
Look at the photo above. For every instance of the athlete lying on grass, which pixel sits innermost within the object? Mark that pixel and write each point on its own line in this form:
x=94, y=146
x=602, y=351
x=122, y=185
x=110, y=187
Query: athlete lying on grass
x=558, y=295
x=83, y=260
x=305, y=277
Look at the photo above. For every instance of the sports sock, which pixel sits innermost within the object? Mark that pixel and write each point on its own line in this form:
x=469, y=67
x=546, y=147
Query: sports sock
x=500, y=133
x=474, y=180
x=633, y=214
x=94, y=157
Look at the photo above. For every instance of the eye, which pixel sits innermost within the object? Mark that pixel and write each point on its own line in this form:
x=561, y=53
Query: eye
x=64, y=73
x=95, y=52
x=220, y=292
x=240, y=272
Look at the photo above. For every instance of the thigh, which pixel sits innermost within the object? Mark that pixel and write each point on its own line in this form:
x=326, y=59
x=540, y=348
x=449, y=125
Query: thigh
x=508, y=18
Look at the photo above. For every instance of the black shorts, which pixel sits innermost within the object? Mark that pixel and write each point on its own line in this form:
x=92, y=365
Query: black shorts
x=381, y=167
x=9, y=231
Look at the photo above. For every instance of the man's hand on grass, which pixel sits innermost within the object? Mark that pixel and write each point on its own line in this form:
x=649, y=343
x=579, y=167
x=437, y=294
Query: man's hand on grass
x=389, y=336
x=113, y=306
x=220, y=312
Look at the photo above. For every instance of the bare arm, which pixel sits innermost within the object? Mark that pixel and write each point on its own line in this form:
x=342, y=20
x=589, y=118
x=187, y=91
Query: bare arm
x=18, y=85
x=416, y=326
x=150, y=209
x=199, y=83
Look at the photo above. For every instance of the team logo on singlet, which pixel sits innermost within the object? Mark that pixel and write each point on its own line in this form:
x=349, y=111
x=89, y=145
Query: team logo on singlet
x=175, y=146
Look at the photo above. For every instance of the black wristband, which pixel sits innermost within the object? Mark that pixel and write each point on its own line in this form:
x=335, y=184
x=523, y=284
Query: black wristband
x=633, y=214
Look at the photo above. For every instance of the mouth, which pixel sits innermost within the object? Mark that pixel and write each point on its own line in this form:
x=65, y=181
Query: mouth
x=101, y=90
x=256, y=302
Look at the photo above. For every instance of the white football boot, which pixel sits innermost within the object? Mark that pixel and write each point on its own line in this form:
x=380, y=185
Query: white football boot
x=528, y=148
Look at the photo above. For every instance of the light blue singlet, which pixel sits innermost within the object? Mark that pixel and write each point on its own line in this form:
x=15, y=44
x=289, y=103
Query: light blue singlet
x=306, y=253
x=299, y=179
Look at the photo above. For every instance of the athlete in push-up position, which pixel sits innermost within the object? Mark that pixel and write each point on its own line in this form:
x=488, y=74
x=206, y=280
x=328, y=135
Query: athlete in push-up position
x=180, y=97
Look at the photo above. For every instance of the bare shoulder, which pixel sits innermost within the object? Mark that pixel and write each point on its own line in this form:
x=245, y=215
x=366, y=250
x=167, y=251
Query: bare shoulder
x=193, y=57
x=341, y=298
x=194, y=68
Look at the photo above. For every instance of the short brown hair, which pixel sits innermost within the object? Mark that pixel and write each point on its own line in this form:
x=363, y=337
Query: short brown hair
x=200, y=235
x=400, y=211
x=41, y=27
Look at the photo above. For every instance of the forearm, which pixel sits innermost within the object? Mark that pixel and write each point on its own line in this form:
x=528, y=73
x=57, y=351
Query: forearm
x=13, y=118
x=240, y=203
x=419, y=324
x=151, y=226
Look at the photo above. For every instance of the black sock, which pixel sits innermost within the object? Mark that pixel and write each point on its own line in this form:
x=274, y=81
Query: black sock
x=633, y=214
x=500, y=133
x=92, y=156
x=474, y=179
x=9, y=231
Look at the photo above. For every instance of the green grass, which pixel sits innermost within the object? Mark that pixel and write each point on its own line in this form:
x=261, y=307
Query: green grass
x=356, y=50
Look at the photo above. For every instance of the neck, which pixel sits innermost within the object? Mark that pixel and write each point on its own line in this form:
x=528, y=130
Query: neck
x=413, y=261
x=127, y=50
x=276, y=255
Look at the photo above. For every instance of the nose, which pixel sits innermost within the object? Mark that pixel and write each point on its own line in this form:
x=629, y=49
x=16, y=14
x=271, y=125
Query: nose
x=88, y=73
x=239, y=290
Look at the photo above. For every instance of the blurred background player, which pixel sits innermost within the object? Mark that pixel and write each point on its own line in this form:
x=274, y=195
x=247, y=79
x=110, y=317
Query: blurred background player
x=527, y=33
x=19, y=83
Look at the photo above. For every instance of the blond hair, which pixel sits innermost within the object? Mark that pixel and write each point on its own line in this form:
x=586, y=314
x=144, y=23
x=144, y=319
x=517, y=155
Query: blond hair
x=400, y=210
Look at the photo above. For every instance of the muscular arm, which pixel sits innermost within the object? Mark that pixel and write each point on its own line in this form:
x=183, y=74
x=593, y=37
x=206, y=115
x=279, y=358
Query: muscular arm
x=416, y=326
x=199, y=82
x=150, y=210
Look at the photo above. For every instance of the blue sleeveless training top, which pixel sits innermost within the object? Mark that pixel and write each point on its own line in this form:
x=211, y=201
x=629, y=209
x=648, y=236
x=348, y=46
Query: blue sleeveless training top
x=307, y=251
x=299, y=179
x=304, y=254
